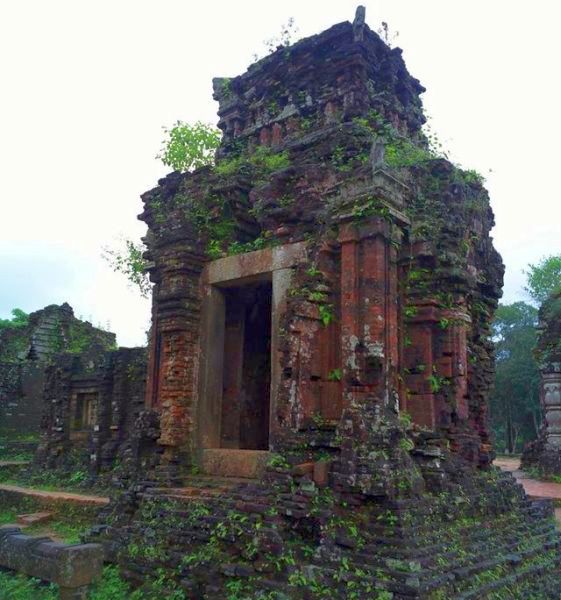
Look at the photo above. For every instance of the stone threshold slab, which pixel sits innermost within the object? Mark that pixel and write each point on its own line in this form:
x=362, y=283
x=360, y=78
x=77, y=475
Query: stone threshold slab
x=223, y=462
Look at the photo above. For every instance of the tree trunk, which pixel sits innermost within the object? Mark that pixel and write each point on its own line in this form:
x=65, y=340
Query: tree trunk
x=516, y=431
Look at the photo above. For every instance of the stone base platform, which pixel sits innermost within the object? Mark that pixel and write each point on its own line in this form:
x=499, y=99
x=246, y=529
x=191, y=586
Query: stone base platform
x=285, y=537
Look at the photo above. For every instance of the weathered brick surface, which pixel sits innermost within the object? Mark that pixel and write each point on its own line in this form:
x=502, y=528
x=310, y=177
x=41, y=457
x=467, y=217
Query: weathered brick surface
x=115, y=384
x=384, y=319
x=398, y=305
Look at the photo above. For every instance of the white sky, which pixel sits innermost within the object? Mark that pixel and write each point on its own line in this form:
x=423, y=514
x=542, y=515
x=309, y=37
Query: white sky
x=86, y=86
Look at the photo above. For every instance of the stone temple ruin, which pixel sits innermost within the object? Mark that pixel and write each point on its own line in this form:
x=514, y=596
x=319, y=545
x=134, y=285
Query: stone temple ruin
x=91, y=403
x=320, y=359
x=66, y=380
x=375, y=276
x=27, y=350
x=320, y=362
x=545, y=452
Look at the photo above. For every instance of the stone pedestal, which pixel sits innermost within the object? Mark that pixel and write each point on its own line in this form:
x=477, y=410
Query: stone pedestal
x=551, y=402
x=545, y=452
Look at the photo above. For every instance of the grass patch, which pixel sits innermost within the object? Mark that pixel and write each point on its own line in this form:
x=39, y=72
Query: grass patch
x=110, y=586
x=20, y=587
x=8, y=515
x=66, y=531
x=537, y=473
x=15, y=455
x=75, y=481
x=67, y=525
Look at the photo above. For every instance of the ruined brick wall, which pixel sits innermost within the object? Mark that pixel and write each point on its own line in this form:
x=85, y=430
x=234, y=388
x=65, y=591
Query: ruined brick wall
x=21, y=384
x=51, y=330
x=25, y=352
x=113, y=386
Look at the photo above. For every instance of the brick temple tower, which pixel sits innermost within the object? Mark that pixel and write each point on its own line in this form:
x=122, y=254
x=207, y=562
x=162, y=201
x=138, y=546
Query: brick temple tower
x=328, y=262
x=320, y=360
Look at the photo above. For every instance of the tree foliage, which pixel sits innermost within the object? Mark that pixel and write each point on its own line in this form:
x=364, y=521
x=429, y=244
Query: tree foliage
x=514, y=405
x=19, y=319
x=188, y=147
x=544, y=278
x=130, y=262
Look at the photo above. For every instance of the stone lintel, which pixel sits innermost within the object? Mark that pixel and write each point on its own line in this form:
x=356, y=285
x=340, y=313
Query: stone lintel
x=257, y=264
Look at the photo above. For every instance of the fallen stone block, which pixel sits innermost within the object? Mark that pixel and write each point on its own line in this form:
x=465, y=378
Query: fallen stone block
x=71, y=567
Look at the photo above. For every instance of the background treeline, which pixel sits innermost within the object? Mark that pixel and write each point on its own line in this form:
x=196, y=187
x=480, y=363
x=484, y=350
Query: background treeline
x=515, y=409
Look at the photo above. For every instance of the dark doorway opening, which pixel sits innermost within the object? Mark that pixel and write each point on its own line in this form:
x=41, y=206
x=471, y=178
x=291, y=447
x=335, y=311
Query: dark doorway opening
x=247, y=367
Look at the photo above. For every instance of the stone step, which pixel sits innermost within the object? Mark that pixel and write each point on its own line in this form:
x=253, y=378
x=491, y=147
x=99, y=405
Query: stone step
x=185, y=493
x=477, y=591
x=198, y=487
x=45, y=497
x=226, y=462
x=209, y=481
x=34, y=518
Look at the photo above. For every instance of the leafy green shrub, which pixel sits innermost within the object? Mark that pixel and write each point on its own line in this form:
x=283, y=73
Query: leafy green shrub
x=19, y=319
x=112, y=587
x=190, y=147
x=130, y=262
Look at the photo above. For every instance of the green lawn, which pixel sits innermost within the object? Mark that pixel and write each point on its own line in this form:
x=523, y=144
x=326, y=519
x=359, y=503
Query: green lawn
x=109, y=587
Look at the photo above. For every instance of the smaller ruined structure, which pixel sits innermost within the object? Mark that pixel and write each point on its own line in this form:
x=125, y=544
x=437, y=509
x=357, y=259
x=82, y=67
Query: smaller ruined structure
x=545, y=452
x=91, y=401
x=65, y=379
x=26, y=350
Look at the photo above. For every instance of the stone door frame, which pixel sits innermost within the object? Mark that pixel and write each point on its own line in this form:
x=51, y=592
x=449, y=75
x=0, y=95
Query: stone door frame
x=272, y=264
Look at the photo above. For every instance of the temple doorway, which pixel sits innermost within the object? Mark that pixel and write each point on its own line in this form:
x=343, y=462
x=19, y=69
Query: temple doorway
x=247, y=367
x=243, y=302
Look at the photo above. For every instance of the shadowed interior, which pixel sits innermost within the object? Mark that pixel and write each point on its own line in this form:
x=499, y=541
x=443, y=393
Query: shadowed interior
x=247, y=367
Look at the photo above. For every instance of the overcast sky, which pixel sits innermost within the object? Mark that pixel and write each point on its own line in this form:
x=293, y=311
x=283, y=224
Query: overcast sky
x=86, y=86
